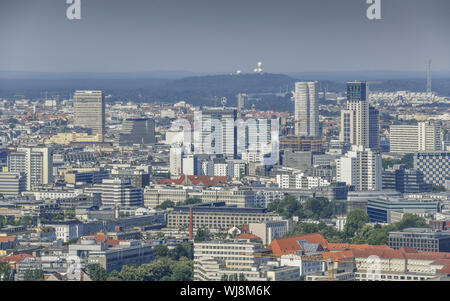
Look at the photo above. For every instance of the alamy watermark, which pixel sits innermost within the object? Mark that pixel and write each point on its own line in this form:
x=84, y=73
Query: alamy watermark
x=73, y=12
x=374, y=10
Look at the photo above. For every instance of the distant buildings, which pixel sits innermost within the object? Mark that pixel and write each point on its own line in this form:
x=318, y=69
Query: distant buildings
x=306, y=112
x=361, y=168
x=242, y=101
x=89, y=111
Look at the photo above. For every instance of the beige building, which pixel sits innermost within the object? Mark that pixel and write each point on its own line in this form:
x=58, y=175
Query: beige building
x=218, y=218
x=89, y=111
x=424, y=136
x=269, y=230
x=214, y=259
x=67, y=138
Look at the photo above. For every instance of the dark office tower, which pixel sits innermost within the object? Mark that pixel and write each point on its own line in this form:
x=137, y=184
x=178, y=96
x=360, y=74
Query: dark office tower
x=138, y=131
x=355, y=119
x=374, y=128
x=89, y=111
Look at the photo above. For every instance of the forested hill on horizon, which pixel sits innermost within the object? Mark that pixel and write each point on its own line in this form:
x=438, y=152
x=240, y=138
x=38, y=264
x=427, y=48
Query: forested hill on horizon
x=197, y=90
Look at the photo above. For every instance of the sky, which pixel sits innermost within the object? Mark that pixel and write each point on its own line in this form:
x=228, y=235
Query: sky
x=223, y=36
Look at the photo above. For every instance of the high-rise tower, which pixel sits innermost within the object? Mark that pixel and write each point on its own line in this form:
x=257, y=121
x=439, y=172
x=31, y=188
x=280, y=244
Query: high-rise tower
x=355, y=125
x=89, y=111
x=306, y=109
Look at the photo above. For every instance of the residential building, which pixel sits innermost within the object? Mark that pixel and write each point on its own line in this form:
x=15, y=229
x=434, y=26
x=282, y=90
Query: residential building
x=36, y=163
x=360, y=167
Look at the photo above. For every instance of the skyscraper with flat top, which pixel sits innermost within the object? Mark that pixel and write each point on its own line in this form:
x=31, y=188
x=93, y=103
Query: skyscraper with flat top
x=306, y=109
x=89, y=111
x=355, y=119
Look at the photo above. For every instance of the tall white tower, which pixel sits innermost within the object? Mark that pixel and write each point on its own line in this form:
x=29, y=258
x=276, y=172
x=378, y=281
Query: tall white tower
x=306, y=109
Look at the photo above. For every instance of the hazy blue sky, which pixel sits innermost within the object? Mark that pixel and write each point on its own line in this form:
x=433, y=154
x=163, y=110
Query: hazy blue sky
x=223, y=36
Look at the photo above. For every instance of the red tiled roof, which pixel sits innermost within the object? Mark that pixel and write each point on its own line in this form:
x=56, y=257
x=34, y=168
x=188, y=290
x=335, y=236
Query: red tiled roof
x=15, y=258
x=7, y=238
x=112, y=242
x=289, y=245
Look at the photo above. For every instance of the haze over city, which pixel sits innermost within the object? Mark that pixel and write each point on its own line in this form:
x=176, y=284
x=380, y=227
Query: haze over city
x=223, y=36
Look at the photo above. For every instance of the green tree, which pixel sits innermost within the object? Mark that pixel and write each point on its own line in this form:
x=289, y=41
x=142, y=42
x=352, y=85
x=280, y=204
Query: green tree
x=114, y=276
x=160, y=251
x=192, y=201
x=130, y=273
x=178, y=252
x=287, y=207
x=356, y=219
x=182, y=270
x=34, y=275
x=438, y=188
x=97, y=272
x=411, y=221
x=202, y=235
x=155, y=270
x=69, y=213
x=318, y=208
x=166, y=204
x=5, y=272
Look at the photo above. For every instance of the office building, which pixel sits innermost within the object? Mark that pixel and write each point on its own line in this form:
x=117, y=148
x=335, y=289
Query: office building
x=12, y=183
x=421, y=239
x=270, y=230
x=218, y=216
x=435, y=166
x=176, y=162
x=120, y=193
x=405, y=180
x=138, y=131
x=36, y=163
x=89, y=111
x=112, y=257
x=424, y=136
x=216, y=132
x=361, y=168
x=374, y=128
x=306, y=112
x=139, y=178
x=386, y=210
